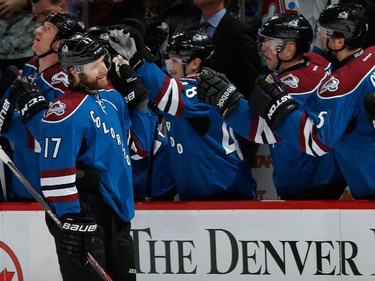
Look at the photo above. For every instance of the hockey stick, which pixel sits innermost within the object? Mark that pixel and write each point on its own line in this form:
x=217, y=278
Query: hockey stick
x=5, y=158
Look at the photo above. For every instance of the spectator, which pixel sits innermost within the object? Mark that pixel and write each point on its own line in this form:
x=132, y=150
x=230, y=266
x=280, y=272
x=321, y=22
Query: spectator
x=42, y=8
x=107, y=12
x=206, y=161
x=285, y=41
x=45, y=70
x=236, y=53
x=335, y=118
x=17, y=27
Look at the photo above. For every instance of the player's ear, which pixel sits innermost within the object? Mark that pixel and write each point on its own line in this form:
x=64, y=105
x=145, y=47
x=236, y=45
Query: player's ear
x=55, y=45
x=196, y=65
x=290, y=50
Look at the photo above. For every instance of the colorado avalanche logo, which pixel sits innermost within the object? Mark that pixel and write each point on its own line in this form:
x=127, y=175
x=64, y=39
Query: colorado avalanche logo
x=290, y=80
x=293, y=23
x=331, y=85
x=60, y=77
x=343, y=15
x=57, y=108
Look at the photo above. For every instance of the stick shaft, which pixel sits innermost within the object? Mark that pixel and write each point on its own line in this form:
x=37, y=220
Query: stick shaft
x=5, y=158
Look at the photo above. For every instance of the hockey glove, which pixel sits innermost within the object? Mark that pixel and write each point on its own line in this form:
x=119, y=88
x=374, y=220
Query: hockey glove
x=369, y=103
x=215, y=89
x=78, y=232
x=128, y=42
x=6, y=113
x=87, y=178
x=156, y=36
x=270, y=100
x=25, y=96
x=129, y=86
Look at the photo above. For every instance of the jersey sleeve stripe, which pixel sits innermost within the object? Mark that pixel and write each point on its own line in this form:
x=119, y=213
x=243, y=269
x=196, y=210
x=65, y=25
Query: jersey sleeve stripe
x=58, y=173
x=260, y=131
x=61, y=199
x=309, y=140
x=58, y=180
x=60, y=192
x=32, y=143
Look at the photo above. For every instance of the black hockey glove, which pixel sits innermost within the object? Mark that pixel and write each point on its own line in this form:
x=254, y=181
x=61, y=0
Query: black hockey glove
x=6, y=113
x=87, y=178
x=156, y=36
x=215, y=89
x=78, y=232
x=128, y=42
x=25, y=96
x=369, y=103
x=133, y=91
x=7, y=79
x=270, y=100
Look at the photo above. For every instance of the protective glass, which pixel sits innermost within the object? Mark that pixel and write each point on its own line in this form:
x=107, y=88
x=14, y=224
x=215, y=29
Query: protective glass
x=93, y=68
x=268, y=43
x=323, y=32
x=173, y=63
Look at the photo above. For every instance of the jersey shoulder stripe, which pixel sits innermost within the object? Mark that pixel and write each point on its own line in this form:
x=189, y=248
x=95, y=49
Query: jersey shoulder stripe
x=64, y=107
x=56, y=77
x=347, y=78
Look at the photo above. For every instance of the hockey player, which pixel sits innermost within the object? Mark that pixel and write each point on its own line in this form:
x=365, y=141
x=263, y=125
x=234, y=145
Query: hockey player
x=206, y=160
x=284, y=42
x=88, y=124
x=152, y=177
x=45, y=70
x=335, y=118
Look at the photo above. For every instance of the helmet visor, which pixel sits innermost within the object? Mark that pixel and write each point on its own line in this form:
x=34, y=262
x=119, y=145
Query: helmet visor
x=322, y=32
x=173, y=63
x=268, y=44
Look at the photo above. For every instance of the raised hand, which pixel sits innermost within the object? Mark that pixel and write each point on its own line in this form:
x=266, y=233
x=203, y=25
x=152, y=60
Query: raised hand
x=215, y=89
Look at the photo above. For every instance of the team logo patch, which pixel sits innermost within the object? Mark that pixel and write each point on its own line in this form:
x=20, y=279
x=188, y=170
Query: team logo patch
x=60, y=77
x=331, y=85
x=343, y=15
x=293, y=23
x=290, y=80
x=64, y=48
x=57, y=108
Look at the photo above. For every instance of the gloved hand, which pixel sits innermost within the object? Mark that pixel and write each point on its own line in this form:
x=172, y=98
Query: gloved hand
x=127, y=41
x=157, y=33
x=270, y=100
x=369, y=103
x=215, y=89
x=129, y=86
x=6, y=113
x=78, y=231
x=87, y=178
x=25, y=96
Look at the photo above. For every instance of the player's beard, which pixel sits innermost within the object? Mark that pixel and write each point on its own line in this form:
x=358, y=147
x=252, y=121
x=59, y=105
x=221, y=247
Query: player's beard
x=92, y=83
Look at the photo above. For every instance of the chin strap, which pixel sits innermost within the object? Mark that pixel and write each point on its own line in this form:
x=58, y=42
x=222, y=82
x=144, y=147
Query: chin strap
x=46, y=54
x=51, y=51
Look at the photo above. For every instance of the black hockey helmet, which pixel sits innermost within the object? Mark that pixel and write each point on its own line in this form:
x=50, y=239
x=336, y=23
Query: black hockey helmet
x=67, y=25
x=79, y=50
x=347, y=19
x=100, y=34
x=290, y=27
x=190, y=45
